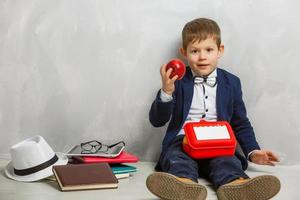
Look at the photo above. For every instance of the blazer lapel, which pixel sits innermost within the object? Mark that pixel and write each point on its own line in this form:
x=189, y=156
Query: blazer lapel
x=223, y=96
x=188, y=91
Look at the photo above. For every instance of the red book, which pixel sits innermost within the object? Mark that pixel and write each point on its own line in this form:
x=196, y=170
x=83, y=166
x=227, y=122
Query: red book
x=124, y=157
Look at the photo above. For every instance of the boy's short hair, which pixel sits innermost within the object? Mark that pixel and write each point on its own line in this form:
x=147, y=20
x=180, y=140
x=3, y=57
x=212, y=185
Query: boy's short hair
x=200, y=29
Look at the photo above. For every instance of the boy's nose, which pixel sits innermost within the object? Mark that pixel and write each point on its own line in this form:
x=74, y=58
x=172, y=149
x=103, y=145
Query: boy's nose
x=202, y=56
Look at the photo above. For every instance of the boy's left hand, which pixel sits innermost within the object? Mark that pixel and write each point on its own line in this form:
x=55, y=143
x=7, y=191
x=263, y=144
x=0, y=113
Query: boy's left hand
x=263, y=157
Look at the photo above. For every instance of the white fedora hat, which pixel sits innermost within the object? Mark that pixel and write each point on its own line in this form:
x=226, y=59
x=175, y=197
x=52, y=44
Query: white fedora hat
x=32, y=160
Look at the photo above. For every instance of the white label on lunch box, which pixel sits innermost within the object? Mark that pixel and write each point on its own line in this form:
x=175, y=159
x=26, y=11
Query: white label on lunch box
x=211, y=132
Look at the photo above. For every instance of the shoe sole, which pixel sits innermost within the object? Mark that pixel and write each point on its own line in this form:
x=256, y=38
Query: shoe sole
x=168, y=187
x=258, y=188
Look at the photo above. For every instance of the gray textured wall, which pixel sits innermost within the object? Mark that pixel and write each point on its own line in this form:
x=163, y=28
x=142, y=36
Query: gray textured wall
x=78, y=70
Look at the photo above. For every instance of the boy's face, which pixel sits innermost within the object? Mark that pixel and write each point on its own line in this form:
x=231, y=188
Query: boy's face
x=203, y=56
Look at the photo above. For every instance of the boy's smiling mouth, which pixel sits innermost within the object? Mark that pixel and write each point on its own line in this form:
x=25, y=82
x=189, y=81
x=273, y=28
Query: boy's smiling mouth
x=202, y=65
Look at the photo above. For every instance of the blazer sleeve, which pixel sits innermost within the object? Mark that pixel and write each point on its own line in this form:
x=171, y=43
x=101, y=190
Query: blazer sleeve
x=240, y=123
x=160, y=112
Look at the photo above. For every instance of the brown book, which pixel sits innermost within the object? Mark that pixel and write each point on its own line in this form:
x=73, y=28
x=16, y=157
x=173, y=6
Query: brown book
x=84, y=176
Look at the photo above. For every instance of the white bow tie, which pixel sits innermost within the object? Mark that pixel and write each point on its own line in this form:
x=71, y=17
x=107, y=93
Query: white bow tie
x=211, y=81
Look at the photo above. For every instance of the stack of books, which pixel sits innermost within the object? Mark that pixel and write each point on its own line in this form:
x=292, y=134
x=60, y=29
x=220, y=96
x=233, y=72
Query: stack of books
x=99, y=170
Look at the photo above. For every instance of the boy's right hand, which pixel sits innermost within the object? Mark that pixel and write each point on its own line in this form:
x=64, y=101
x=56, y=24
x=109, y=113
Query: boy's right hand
x=168, y=85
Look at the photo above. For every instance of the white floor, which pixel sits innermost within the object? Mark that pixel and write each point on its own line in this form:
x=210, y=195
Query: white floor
x=134, y=188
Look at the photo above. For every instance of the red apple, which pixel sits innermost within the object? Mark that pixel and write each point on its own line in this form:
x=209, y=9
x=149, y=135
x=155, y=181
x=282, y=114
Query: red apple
x=178, y=68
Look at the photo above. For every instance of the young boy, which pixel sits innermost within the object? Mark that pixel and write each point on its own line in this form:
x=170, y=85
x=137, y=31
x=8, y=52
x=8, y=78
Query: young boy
x=210, y=93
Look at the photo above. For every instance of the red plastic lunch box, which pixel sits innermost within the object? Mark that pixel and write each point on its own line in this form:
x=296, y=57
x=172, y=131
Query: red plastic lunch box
x=209, y=139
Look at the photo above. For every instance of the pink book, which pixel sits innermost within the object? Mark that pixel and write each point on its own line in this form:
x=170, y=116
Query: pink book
x=124, y=157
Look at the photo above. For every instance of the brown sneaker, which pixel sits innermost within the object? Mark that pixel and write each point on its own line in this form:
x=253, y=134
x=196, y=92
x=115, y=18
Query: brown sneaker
x=169, y=187
x=258, y=188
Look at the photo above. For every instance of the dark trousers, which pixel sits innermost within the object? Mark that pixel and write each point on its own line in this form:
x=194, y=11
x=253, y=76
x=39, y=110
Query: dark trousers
x=219, y=171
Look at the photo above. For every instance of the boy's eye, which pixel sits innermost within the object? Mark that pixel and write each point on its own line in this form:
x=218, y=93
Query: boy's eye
x=209, y=49
x=194, y=51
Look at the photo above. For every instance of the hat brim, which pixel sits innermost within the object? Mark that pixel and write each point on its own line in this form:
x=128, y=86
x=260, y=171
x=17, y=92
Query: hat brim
x=9, y=171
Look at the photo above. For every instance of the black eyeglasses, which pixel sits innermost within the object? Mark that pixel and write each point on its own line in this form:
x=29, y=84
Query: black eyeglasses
x=95, y=146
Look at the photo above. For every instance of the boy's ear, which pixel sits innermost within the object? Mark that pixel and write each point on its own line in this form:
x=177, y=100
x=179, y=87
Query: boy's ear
x=182, y=51
x=221, y=50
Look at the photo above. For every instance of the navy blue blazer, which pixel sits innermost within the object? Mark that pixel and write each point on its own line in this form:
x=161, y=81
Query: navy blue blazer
x=229, y=102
